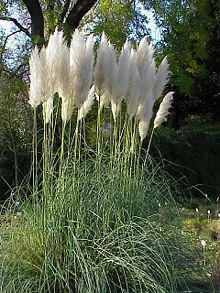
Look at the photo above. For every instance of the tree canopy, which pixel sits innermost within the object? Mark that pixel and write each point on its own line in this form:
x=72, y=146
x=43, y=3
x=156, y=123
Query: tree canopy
x=190, y=37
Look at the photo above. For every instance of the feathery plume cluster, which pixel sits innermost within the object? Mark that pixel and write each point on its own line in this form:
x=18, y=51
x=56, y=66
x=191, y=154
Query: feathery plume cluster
x=105, y=71
x=132, y=76
x=87, y=105
x=162, y=78
x=163, y=111
x=35, y=73
x=81, y=67
x=120, y=79
x=40, y=89
x=62, y=70
x=134, y=85
x=54, y=53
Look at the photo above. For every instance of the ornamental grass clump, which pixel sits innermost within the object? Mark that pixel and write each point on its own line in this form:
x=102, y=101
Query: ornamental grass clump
x=131, y=78
x=93, y=223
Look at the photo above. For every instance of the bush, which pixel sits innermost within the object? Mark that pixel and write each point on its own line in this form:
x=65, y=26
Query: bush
x=191, y=152
x=15, y=134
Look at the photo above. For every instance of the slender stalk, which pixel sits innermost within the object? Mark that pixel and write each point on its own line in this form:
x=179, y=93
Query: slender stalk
x=85, y=148
x=116, y=153
x=79, y=141
x=98, y=142
x=45, y=155
x=111, y=139
x=76, y=141
x=45, y=183
x=34, y=138
x=62, y=148
x=149, y=144
x=126, y=152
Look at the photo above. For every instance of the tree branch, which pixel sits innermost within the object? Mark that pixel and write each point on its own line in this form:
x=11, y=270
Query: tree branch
x=65, y=10
x=5, y=43
x=37, y=20
x=80, y=8
x=23, y=29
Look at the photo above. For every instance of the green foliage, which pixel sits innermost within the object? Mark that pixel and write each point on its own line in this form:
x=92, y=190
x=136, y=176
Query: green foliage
x=119, y=20
x=189, y=37
x=15, y=132
x=191, y=152
x=188, y=43
x=51, y=11
x=114, y=18
x=3, y=7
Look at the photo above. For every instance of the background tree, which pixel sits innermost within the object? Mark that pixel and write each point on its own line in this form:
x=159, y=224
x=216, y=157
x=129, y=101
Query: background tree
x=190, y=37
x=119, y=20
x=15, y=132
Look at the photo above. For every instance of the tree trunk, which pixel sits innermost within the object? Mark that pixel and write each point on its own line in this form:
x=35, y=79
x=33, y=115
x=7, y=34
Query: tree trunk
x=80, y=8
x=37, y=21
x=75, y=15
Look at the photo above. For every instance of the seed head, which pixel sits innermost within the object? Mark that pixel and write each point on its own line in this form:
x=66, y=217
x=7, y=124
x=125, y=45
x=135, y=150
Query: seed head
x=163, y=111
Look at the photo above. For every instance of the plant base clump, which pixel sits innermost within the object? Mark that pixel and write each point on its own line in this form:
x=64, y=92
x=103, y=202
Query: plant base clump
x=94, y=234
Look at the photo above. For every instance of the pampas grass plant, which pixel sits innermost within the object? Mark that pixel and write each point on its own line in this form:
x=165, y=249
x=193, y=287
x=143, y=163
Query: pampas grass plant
x=92, y=222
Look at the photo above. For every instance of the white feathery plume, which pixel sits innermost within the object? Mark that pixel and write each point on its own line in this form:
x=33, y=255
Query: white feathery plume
x=54, y=52
x=133, y=93
x=101, y=63
x=145, y=113
x=163, y=111
x=58, y=62
x=50, y=59
x=40, y=89
x=48, y=109
x=86, y=107
x=105, y=71
x=122, y=73
x=35, y=73
x=64, y=74
x=77, y=47
x=81, y=66
x=67, y=109
x=109, y=80
x=147, y=70
x=115, y=109
x=44, y=77
x=110, y=70
x=143, y=127
x=120, y=80
x=146, y=67
x=141, y=53
x=162, y=78
x=89, y=60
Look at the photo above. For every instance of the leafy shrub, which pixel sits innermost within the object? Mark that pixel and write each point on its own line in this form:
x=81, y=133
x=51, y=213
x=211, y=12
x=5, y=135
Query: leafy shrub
x=191, y=152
